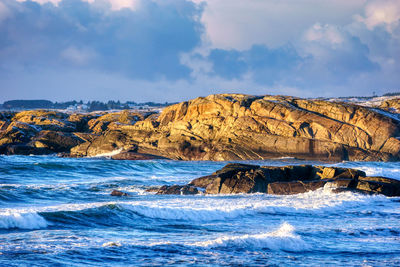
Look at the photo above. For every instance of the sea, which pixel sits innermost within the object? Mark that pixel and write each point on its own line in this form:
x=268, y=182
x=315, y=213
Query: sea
x=59, y=212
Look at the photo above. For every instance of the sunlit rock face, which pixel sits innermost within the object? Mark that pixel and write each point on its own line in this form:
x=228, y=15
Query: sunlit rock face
x=218, y=127
x=234, y=126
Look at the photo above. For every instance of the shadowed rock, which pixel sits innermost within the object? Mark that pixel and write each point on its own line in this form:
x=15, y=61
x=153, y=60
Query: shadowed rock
x=297, y=187
x=243, y=178
x=129, y=155
x=177, y=190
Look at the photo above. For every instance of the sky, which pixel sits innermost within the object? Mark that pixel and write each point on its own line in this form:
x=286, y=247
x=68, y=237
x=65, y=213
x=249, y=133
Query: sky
x=174, y=50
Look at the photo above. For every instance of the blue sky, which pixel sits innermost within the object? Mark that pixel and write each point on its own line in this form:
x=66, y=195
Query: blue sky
x=172, y=50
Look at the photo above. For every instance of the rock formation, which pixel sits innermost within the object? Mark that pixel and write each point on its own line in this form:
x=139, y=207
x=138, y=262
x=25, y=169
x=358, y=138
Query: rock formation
x=218, y=127
x=234, y=127
x=242, y=178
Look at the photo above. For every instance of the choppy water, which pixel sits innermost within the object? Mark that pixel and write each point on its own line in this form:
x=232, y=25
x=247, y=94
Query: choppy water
x=59, y=212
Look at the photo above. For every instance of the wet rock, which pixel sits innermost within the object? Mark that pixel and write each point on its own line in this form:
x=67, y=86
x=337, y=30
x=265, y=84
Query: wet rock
x=389, y=188
x=242, y=178
x=177, y=190
x=153, y=189
x=337, y=172
x=204, y=181
x=130, y=155
x=117, y=193
x=297, y=187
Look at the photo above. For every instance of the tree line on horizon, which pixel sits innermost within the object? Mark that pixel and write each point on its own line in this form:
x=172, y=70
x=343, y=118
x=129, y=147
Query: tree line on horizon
x=90, y=105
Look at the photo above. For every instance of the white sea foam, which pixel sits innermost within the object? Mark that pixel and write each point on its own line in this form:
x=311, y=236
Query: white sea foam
x=30, y=220
x=393, y=173
x=108, y=154
x=283, y=238
x=188, y=213
x=210, y=208
x=111, y=244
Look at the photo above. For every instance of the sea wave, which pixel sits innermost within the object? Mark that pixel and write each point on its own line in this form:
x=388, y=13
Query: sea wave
x=30, y=220
x=284, y=238
x=188, y=209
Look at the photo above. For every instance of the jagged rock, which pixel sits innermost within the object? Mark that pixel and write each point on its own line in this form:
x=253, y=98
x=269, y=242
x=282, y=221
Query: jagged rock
x=109, y=142
x=117, y=193
x=177, y=190
x=114, y=119
x=46, y=120
x=386, y=186
x=336, y=172
x=81, y=121
x=242, y=178
x=55, y=141
x=204, y=181
x=392, y=105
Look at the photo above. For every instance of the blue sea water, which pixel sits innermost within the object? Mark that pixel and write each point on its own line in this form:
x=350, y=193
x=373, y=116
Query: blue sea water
x=59, y=212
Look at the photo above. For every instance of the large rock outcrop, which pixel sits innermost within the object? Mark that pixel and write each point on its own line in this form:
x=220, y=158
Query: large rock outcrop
x=235, y=127
x=242, y=178
x=216, y=127
x=47, y=132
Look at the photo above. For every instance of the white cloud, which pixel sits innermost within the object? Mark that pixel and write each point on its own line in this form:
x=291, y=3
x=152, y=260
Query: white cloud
x=78, y=56
x=238, y=24
x=120, y=4
x=115, y=4
x=54, y=2
x=325, y=33
x=382, y=12
x=4, y=12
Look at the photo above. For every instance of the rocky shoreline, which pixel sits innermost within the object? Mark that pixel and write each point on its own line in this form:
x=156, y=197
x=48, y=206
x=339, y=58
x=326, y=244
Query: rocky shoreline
x=216, y=127
x=237, y=178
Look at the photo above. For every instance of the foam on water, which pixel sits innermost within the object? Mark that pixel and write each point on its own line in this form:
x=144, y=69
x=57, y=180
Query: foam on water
x=108, y=154
x=30, y=220
x=204, y=208
x=284, y=238
x=208, y=208
x=71, y=199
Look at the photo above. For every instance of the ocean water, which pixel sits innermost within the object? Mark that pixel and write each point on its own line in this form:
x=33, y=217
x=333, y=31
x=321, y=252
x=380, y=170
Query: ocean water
x=59, y=212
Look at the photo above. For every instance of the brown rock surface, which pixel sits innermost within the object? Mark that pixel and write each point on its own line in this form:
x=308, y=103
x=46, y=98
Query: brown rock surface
x=224, y=127
x=235, y=126
x=117, y=193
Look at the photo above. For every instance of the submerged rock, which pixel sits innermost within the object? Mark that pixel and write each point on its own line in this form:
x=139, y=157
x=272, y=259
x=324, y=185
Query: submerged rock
x=117, y=193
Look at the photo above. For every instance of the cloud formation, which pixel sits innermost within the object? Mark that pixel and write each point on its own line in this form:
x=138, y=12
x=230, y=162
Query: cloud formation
x=177, y=49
